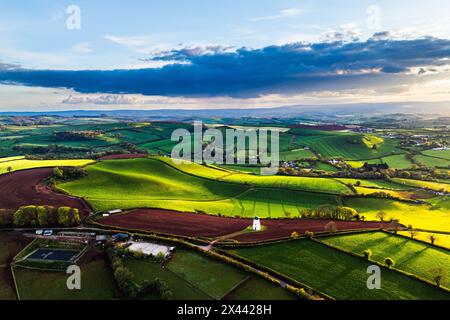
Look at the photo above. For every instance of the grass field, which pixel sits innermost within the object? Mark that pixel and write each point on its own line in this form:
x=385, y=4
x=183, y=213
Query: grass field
x=380, y=184
x=444, y=154
x=442, y=240
x=432, y=162
x=22, y=164
x=97, y=283
x=338, y=274
x=212, y=277
x=436, y=186
x=260, y=289
x=349, y=146
x=410, y=256
x=397, y=162
x=181, y=289
x=427, y=217
x=152, y=183
x=10, y=246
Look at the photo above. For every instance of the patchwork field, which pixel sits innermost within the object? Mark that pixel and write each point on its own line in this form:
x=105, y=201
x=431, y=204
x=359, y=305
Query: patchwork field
x=335, y=273
x=209, y=285
x=151, y=183
x=410, y=256
x=419, y=216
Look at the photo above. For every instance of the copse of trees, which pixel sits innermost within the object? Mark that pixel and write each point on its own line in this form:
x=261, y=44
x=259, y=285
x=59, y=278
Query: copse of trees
x=43, y=216
x=330, y=212
x=69, y=173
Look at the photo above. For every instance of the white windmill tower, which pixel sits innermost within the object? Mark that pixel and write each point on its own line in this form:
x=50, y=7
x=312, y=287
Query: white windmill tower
x=256, y=224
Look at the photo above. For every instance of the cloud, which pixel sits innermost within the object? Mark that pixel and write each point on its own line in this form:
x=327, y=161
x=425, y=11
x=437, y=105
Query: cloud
x=8, y=66
x=83, y=47
x=286, y=13
x=289, y=69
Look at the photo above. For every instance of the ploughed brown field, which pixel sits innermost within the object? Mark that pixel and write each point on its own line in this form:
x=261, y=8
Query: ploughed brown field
x=200, y=225
x=24, y=187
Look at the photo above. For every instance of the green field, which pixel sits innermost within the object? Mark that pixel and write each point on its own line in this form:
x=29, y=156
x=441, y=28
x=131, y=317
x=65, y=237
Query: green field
x=181, y=289
x=259, y=289
x=444, y=154
x=410, y=256
x=22, y=164
x=253, y=288
x=153, y=183
x=432, y=162
x=346, y=145
x=10, y=246
x=398, y=162
x=97, y=283
x=340, y=275
x=212, y=277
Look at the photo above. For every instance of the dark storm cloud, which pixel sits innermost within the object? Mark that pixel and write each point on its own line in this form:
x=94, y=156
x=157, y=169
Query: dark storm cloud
x=291, y=68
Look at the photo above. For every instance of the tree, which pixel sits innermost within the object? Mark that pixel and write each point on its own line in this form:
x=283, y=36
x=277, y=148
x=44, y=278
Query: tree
x=439, y=275
x=294, y=235
x=42, y=216
x=381, y=215
x=9, y=169
x=63, y=216
x=389, y=262
x=58, y=173
x=413, y=233
x=309, y=234
x=432, y=238
x=331, y=227
x=367, y=254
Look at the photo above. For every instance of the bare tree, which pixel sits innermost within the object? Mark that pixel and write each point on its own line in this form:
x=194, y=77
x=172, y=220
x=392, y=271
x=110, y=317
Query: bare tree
x=413, y=233
x=433, y=238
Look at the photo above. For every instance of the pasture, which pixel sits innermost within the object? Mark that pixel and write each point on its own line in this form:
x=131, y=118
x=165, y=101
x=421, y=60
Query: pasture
x=337, y=274
x=410, y=256
x=214, y=278
x=152, y=183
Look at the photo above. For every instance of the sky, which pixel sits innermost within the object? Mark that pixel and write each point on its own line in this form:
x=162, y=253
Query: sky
x=146, y=54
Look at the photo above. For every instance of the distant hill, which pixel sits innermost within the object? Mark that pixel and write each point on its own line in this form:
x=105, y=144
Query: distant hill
x=322, y=111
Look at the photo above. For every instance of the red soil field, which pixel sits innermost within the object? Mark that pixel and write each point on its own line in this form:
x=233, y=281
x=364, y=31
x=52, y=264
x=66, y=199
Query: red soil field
x=124, y=156
x=191, y=225
x=23, y=188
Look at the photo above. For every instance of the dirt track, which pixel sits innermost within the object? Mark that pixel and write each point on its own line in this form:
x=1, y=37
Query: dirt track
x=22, y=188
x=189, y=224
